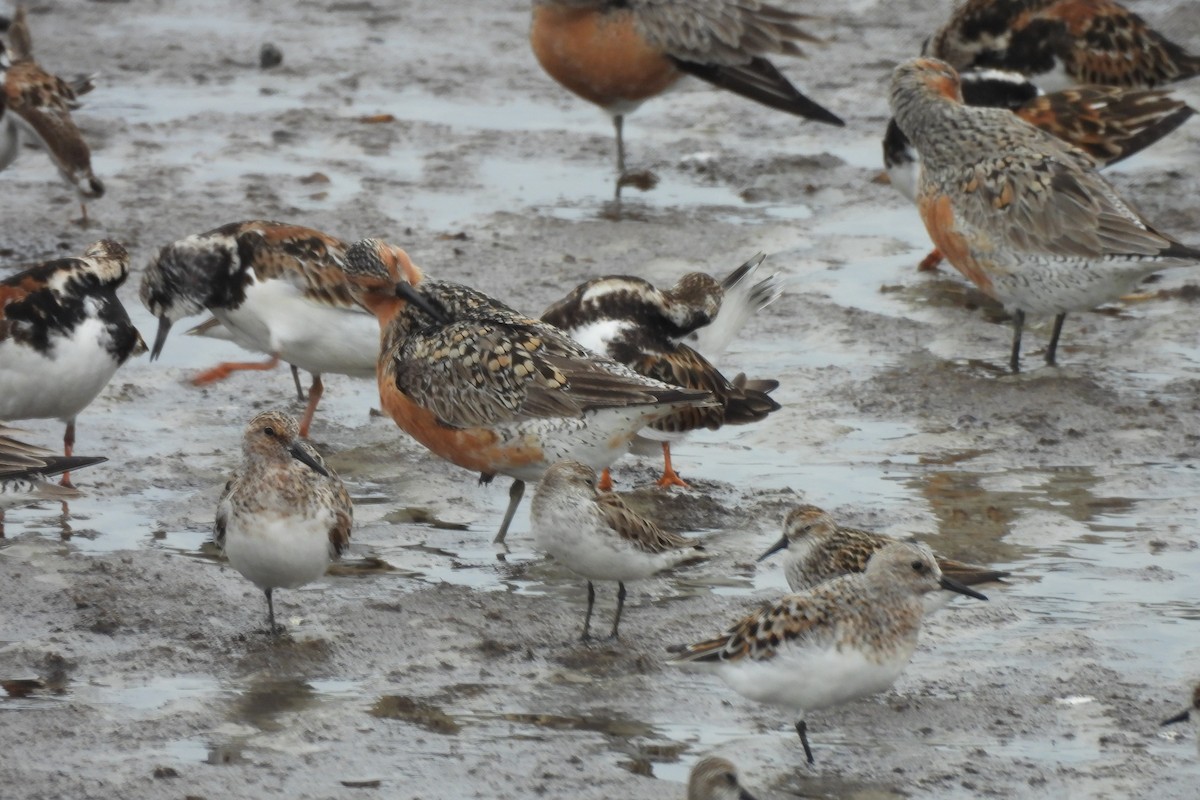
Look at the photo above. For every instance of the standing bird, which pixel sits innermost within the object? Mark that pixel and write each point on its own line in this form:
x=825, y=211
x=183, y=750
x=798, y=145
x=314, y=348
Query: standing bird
x=714, y=778
x=647, y=329
x=38, y=110
x=619, y=53
x=844, y=639
x=816, y=549
x=1061, y=43
x=24, y=469
x=285, y=515
x=596, y=535
x=1108, y=123
x=492, y=390
x=278, y=289
x=63, y=334
x=1019, y=212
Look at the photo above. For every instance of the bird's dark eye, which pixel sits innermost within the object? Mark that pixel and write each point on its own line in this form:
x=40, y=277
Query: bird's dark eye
x=269, y=431
x=731, y=779
x=806, y=529
x=919, y=566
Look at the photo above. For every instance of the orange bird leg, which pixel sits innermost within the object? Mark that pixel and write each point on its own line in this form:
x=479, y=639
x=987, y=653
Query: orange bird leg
x=930, y=262
x=68, y=449
x=314, y=396
x=669, y=476
x=605, y=483
x=222, y=371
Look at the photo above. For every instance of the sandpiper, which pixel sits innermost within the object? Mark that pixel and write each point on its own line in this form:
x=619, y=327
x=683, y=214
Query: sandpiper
x=277, y=289
x=285, y=515
x=714, y=778
x=617, y=54
x=1017, y=211
x=843, y=639
x=25, y=467
x=1186, y=714
x=63, y=334
x=596, y=535
x=492, y=390
x=817, y=549
x=652, y=331
x=1061, y=43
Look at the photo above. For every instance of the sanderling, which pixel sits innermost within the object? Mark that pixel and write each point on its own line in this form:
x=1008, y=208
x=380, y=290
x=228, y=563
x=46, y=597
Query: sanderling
x=714, y=778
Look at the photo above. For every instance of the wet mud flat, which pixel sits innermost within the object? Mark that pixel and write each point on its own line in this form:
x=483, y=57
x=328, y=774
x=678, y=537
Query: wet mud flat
x=433, y=665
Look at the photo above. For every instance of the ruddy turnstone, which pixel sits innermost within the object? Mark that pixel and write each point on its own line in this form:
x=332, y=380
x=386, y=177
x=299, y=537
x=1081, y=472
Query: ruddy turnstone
x=63, y=333
x=492, y=390
x=648, y=330
x=278, y=289
x=25, y=467
x=1108, y=123
x=1061, y=43
x=1020, y=213
x=596, y=535
x=816, y=549
x=617, y=53
x=1186, y=714
x=843, y=639
x=285, y=515
x=714, y=778
x=39, y=110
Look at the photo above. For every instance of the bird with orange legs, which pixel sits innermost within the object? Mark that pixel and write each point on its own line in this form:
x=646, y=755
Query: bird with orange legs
x=671, y=335
x=492, y=390
x=276, y=289
x=620, y=53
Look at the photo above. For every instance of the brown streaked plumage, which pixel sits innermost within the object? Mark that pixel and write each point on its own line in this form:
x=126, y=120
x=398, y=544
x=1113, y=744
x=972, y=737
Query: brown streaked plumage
x=648, y=329
x=1020, y=213
x=1061, y=43
x=843, y=639
x=285, y=515
x=714, y=778
x=490, y=389
x=277, y=289
x=25, y=467
x=817, y=549
x=619, y=53
x=597, y=535
x=39, y=108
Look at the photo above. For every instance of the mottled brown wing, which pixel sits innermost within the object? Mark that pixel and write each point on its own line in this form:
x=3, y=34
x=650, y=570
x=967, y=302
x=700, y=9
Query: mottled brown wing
x=311, y=259
x=479, y=373
x=1106, y=43
x=726, y=32
x=683, y=366
x=1106, y=122
x=42, y=105
x=1037, y=195
x=757, y=637
x=221, y=521
x=638, y=530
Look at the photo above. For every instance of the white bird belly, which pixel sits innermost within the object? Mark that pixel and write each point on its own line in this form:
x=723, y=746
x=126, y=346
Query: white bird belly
x=60, y=384
x=279, y=552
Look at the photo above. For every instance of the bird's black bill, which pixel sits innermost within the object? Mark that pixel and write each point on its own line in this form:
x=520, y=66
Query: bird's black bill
x=304, y=457
x=160, y=338
x=412, y=295
x=955, y=586
x=744, y=795
x=775, y=548
x=1182, y=716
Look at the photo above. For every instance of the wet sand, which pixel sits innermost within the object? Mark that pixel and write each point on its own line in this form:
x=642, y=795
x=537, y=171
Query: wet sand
x=435, y=665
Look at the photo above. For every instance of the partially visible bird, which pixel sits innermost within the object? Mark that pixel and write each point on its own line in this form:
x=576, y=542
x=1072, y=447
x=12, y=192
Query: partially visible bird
x=619, y=53
x=1186, y=714
x=1061, y=43
x=285, y=515
x=38, y=110
x=843, y=639
x=714, y=778
x=24, y=469
x=492, y=390
x=1108, y=123
x=649, y=329
x=598, y=536
x=816, y=549
x=278, y=289
x=1020, y=213
x=63, y=334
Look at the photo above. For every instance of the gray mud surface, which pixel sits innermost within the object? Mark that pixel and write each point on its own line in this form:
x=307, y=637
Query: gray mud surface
x=435, y=666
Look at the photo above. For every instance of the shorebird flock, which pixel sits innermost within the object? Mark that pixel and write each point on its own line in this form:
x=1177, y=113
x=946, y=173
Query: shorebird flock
x=999, y=132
